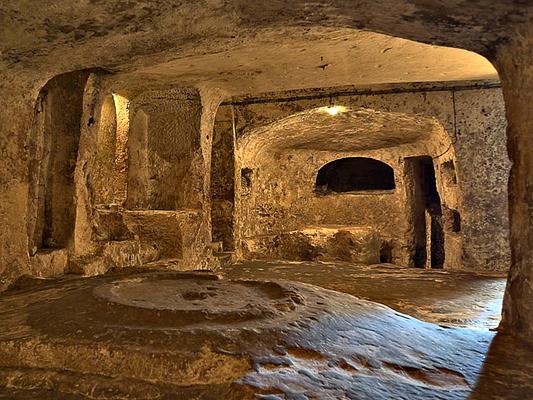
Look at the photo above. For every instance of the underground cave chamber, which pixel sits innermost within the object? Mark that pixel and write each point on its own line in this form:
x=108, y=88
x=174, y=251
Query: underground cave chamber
x=170, y=207
x=286, y=179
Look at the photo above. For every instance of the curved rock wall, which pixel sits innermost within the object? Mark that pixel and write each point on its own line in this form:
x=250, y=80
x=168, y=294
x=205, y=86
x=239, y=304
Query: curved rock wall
x=474, y=184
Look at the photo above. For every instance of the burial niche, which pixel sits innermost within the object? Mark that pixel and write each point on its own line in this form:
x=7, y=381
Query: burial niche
x=354, y=174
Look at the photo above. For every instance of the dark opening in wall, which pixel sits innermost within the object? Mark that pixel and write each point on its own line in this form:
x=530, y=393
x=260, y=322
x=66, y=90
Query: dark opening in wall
x=354, y=174
x=434, y=212
x=456, y=221
x=54, y=151
x=246, y=180
x=428, y=221
x=385, y=252
x=448, y=172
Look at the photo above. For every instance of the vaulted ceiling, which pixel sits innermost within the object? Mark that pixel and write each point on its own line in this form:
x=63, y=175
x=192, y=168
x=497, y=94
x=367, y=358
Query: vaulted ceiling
x=350, y=130
x=243, y=46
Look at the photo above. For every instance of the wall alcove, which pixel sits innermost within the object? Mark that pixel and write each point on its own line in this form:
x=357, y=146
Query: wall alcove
x=354, y=174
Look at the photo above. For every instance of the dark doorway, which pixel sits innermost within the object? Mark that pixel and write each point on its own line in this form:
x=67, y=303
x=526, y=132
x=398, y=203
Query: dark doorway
x=427, y=214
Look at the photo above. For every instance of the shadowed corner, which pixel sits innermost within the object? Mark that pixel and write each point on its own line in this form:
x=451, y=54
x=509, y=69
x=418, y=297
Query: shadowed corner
x=506, y=370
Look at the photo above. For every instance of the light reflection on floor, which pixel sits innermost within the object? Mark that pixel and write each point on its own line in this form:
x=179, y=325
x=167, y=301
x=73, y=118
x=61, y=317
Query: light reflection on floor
x=459, y=299
x=304, y=342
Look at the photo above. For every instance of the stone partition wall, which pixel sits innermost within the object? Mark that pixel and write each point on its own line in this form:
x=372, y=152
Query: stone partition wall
x=164, y=215
x=165, y=149
x=281, y=198
x=472, y=117
x=279, y=201
x=483, y=167
x=17, y=111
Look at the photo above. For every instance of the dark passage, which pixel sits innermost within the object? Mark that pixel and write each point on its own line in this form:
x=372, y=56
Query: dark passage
x=428, y=215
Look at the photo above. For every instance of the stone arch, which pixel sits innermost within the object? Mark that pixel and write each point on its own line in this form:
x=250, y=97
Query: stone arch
x=286, y=154
x=354, y=174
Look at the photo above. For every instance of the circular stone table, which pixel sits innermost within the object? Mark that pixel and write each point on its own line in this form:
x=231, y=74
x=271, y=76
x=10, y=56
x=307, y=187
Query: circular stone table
x=183, y=335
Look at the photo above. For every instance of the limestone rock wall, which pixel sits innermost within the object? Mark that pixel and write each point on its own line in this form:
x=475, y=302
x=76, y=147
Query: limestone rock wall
x=515, y=62
x=166, y=151
x=65, y=185
x=483, y=167
x=471, y=170
x=16, y=114
x=223, y=172
x=41, y=42
x=164, y=214
x=282, y=198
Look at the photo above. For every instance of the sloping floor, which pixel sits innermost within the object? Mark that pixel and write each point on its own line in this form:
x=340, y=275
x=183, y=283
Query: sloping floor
x=450, y=298
x=167, y=335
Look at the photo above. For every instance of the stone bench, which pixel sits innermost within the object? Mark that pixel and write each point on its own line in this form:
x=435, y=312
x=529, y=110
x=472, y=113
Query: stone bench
x=133, y=238
x=356, y=244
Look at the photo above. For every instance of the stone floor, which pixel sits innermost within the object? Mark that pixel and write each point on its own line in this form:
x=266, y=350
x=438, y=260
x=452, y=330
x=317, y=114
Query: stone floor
x=167, y=335
x=459, y=299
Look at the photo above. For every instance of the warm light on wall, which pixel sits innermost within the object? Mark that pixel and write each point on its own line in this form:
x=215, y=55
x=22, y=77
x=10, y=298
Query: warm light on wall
x=334, y=110
x=121, y=150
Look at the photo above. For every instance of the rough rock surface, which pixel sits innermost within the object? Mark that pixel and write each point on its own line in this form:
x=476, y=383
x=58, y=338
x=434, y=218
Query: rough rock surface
x=283, y=140
x=360, y=245
x=518, y=311
x=447, y=298
x=181, y=336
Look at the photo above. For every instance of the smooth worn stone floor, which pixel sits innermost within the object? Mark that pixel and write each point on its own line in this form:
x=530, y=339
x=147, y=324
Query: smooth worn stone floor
x=450, y=298
x=169, y=335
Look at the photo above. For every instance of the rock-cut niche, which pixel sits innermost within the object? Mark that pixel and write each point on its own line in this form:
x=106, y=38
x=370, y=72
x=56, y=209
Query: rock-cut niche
x=354, y=174
x=53, y=154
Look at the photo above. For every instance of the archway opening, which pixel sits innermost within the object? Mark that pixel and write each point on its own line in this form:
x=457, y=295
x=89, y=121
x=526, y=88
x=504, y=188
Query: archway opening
x=110, y=165
x=354, y=174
